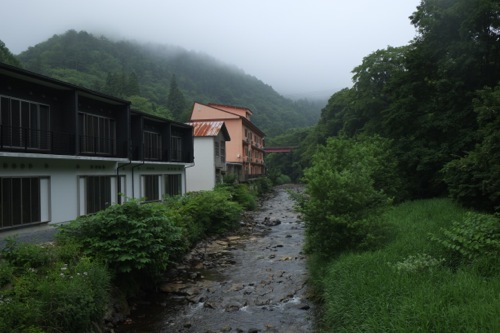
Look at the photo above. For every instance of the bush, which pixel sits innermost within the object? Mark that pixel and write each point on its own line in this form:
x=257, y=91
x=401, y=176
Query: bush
x=283, y=179
x=205, y=213
x=25, y=255
x=132, y=239
x=342, y=207
x=475, y=238
x=263, y=185
x=56, y=297
x=239, y=193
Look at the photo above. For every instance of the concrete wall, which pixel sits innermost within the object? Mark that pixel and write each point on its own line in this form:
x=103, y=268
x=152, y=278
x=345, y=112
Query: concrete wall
x=202, y=175
x=62, y=184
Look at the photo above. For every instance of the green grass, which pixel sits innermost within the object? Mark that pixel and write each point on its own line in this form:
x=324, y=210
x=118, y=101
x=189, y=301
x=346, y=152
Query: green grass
x=365, y=292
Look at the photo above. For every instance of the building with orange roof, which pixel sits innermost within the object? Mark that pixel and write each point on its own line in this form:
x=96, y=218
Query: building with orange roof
x=245, y=151
x=210, y=139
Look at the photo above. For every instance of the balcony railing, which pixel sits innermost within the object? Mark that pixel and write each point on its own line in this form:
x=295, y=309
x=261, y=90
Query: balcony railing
x=97, y=145
x=34, y=140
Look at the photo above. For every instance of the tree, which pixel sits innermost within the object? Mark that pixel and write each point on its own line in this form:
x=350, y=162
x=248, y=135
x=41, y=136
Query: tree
x=7, y=57
x=474, y=179
x=176, y=102
x=346, y=194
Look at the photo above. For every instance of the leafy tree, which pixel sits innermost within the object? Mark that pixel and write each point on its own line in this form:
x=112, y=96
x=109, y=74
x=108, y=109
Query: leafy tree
x=474, y=179
x=7, y=57
x=344, y=195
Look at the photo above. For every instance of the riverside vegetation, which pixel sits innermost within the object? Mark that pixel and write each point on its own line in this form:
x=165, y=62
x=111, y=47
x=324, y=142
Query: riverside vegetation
x=66, y=286
x=419, y=266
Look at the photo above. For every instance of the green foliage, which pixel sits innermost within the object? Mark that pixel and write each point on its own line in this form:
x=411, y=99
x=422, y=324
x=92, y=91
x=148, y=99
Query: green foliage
x=176, y=101
x=131, y=239
x=422, y=97
x=240, y=193
x=475, y=237
x=56, y=297
x=25, y=255
x=417, y=263
x=7, y=57
x=205, y=213
x=145, y=105
x=283, y=179
x=198, y=77
x=474, y=179
x=343, y=205
x=406, y=286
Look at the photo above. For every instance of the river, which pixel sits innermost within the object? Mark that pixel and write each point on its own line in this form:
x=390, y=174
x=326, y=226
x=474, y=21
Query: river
x=249, y=282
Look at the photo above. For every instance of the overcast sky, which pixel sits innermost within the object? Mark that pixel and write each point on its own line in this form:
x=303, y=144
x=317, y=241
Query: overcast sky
x=296, y=46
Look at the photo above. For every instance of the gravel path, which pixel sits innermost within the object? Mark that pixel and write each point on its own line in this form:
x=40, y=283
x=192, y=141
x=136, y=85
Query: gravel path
x=36, y=235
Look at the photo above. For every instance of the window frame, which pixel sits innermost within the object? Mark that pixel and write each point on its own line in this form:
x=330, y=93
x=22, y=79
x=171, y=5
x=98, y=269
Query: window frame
x=30, y=124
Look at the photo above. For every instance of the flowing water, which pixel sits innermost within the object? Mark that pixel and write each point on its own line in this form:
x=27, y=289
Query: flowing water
x=254, y=281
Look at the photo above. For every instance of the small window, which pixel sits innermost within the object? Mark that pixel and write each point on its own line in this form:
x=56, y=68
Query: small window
x=152, y=146
x=173, y=185
x=21, y=201
x=151, y=187
x=216, y=148
x=176, y=148
x=97, y=193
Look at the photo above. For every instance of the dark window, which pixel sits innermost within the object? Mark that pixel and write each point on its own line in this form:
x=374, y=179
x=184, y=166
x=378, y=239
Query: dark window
x=173, y=185
x=176, y=148
x=19, y=201
x=151, y=187
x=24, y=124
x=216, y=148
x=98, y=134
x=223, y=151
x=97, y=193
x=152, y=146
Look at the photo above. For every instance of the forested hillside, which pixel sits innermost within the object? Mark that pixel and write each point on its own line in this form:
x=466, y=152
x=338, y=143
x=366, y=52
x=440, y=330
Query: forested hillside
x=437, y=100
x=146, y=74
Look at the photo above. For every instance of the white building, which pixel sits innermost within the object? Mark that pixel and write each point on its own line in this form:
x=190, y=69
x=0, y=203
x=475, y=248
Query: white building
x=210, y=155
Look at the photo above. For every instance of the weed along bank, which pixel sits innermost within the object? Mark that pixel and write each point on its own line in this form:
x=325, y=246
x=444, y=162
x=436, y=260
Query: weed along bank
x=67, y=151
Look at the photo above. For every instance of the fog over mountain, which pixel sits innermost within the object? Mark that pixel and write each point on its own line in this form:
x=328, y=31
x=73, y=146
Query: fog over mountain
x=300, y=48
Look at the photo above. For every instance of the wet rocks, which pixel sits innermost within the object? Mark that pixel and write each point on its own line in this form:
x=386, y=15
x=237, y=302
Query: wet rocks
x=271, y=222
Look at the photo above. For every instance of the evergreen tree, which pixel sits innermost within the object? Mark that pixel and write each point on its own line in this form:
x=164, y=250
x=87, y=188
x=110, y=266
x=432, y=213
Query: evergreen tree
x=175, y=102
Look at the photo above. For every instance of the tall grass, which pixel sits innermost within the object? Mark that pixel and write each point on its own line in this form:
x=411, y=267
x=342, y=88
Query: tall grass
x=406, y=286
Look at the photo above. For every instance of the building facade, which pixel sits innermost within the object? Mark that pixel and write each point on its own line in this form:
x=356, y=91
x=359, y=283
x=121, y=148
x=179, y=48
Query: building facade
x=245, y=151
x=66, y=151
x=209, y=168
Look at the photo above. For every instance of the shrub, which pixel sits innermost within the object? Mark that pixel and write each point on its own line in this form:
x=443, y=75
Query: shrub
x=58, y=297
x=283, y=179
x=475, y=238
x=239, y=193
x=24, y=255
x=263, y=185
x=129, y=238
x=342, y=207
x=205, y=213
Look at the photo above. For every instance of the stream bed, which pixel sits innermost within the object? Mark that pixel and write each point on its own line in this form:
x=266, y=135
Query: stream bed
x=252, y=281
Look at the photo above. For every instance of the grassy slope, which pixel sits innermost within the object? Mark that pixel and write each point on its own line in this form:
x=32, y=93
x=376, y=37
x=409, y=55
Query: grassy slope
x=365, y=293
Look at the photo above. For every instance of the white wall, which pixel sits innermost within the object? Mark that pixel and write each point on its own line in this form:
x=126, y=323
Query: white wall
x=62, y=187
x=201, y=177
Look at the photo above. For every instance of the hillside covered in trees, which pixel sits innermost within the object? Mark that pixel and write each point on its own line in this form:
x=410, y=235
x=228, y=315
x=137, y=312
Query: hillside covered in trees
x=437, y=100
x=164, y=80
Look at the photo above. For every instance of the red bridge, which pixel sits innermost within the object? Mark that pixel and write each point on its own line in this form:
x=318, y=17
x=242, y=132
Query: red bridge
x=278, y=149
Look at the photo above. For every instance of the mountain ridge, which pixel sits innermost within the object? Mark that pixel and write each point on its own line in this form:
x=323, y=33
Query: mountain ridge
x=86, y=60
